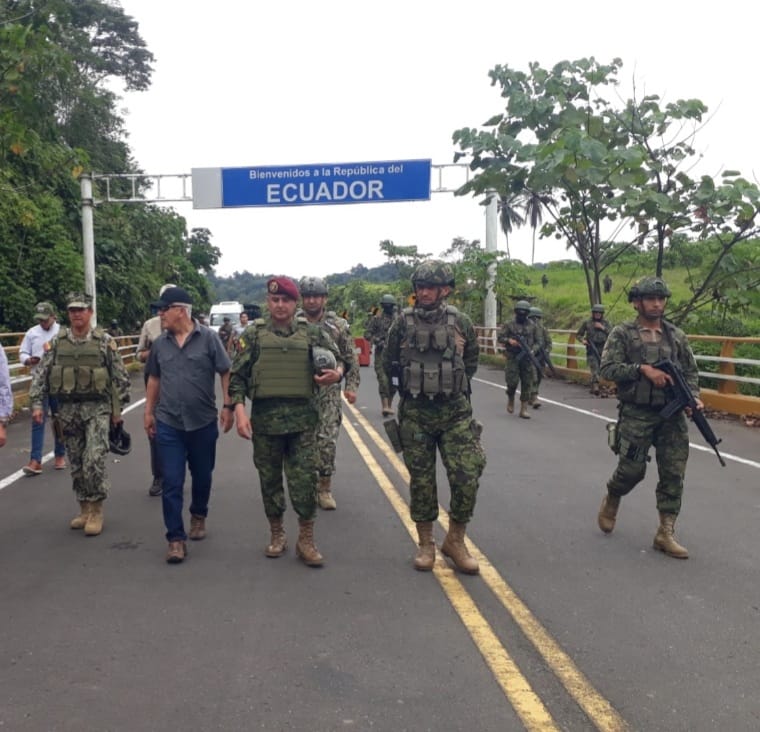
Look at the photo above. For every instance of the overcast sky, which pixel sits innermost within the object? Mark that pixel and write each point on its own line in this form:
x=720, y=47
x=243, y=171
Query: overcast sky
x=241, y=83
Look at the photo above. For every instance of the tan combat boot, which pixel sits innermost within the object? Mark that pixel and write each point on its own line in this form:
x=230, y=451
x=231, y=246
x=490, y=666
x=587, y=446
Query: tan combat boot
x=278, y=542
x=387, y=409
x=454, y=548
x=324, y=496
x=608, y=513
x=425, y=559
x=510, y=403
x=305, y=548
x=94, y=523
x=665, y=541
x=524, y=410
x=79, y=522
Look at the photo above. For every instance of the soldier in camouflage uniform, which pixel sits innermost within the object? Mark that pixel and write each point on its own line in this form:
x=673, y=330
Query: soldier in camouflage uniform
x=83, y=370
x=594, y=330
x=376, y=331
x=518, y=368
x=314, y=294
x=542, y=345
x=436, y=349
x=627, y=360
x=275, y=370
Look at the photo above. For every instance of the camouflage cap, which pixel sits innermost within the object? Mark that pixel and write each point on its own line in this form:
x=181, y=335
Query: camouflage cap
x=535, y=312
x=522, y=305
x=387, y=299
x=78, y=300
x=43, y=311
x=597, y=309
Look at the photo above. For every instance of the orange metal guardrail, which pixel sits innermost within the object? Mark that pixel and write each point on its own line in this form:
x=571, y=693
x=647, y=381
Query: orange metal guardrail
x=726, y=397
x=21, y=376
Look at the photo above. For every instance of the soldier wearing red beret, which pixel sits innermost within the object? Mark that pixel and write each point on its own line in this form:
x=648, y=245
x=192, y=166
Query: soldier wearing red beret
x=274, y=368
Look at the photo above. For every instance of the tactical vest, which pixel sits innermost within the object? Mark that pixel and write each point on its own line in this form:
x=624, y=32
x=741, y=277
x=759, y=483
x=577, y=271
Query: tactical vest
x=642, y=391
x=283, y=369
x=595, y=335
x=430, y=360
x=79, y=372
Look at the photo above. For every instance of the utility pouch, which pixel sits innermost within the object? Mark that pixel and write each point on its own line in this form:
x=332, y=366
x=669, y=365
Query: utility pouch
x=394, y=435
x=613, y=437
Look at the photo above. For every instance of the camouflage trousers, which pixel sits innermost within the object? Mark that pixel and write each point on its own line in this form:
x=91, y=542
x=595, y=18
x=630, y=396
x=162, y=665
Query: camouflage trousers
x=538, y=377
x=385, y=389
x=446, y=425
x=328, y=428
x=85, y=435
x=519, y=371
x=295, y=454
x=593, y=366
x=638, y=429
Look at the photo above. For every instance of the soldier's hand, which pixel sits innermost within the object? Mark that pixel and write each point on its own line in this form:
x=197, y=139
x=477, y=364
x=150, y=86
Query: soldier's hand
x=37, y=416
x=350, y=396
x=700, y=407
x=512, y=342
x=244, y=428
x=328, y=376
x=659, y=378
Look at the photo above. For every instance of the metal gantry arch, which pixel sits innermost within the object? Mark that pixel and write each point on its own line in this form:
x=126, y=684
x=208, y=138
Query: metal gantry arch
x=169, y=188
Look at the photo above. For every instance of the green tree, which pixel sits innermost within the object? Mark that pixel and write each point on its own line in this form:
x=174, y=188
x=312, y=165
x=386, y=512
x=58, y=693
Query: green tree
x=605, y=174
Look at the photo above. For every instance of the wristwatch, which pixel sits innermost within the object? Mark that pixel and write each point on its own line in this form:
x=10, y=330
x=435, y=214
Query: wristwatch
x=231, y=407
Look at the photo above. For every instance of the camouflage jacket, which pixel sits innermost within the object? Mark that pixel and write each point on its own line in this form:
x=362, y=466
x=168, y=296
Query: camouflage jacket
x=275, y=416
x=511, y=328
x=619, y=366
x=120, y=381
x=377, y=329
x=597, y=336
x=338, y=330
x=543, y=338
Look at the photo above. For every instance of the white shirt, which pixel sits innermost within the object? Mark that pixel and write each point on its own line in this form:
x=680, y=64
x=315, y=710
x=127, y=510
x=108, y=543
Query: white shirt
x=34, y=342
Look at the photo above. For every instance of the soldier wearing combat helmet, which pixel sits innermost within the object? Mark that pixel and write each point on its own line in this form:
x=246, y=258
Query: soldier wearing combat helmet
x=432, y=351
x=314, y=302
x=518, y=368
x=594, y=332
x=376, y=331
x=631, y=350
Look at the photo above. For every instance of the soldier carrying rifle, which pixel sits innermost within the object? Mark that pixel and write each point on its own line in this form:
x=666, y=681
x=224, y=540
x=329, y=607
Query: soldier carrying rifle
x=630, y=359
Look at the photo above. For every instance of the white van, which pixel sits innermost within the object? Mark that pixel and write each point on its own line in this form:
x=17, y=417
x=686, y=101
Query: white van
x=226, y=309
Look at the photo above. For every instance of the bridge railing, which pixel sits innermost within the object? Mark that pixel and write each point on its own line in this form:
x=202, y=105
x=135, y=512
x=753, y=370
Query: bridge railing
x=722, y=388
x=21, y=376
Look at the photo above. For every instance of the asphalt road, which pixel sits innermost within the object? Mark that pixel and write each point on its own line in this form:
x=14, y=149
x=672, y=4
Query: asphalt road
x=565, y=628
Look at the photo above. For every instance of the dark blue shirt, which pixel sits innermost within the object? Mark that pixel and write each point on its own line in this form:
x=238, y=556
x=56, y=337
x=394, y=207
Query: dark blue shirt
x=186, y=398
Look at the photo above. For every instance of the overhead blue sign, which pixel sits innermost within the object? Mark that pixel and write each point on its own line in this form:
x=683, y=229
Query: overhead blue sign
x=312, y=185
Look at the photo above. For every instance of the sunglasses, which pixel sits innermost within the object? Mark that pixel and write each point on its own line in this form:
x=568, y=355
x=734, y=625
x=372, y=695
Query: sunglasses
x=164, y=308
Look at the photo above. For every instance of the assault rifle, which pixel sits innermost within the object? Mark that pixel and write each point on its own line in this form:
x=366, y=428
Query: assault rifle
x=543, y=357
x=683, y=398
x=526, y=352
x=591, y=346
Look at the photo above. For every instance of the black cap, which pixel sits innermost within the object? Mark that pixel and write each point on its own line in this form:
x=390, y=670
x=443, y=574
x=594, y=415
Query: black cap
x=173, y=296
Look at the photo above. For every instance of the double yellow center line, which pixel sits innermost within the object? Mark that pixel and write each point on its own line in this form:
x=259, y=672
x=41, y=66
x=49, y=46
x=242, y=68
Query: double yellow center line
x=525, y=702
